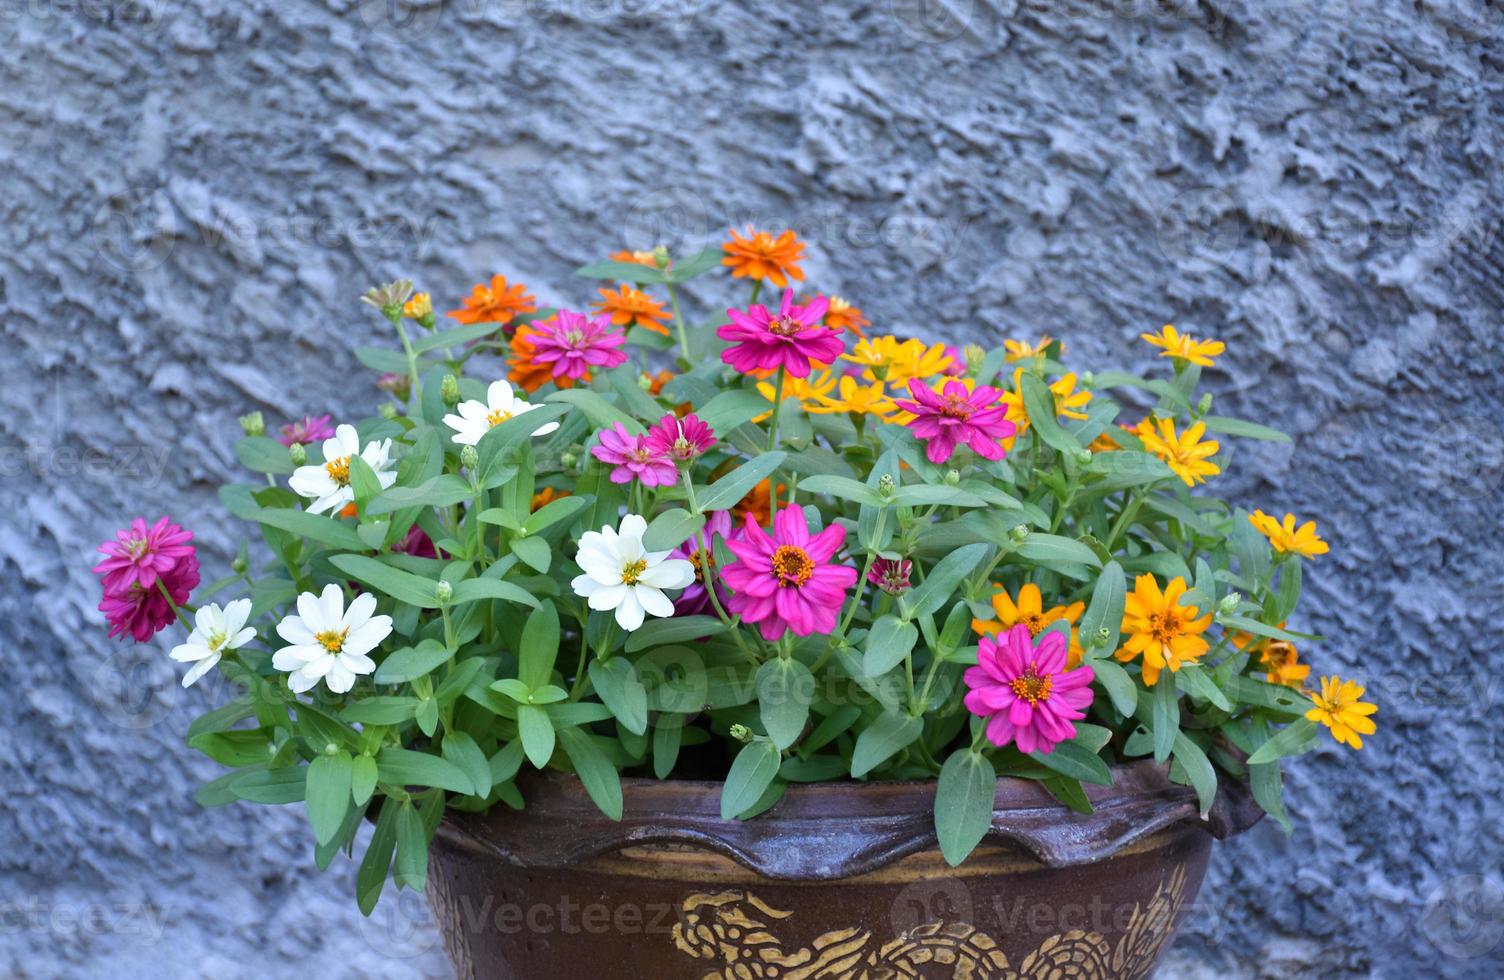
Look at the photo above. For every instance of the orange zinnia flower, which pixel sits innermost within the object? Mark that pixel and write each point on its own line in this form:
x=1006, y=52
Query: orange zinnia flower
x=657, y=381
x=527, y=373
x=545, y=496
x=499, y=303
x=843, y=316
x=764, y=257
x=631, y=306
x=640, y=258
x=757, y=503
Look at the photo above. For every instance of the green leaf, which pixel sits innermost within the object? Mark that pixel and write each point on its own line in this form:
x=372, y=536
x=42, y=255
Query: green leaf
x=724, y=493
x=466, y=756
x=671, y=529
x=617, y=684
x=1068, y=791
x=1257, y=628
x=328, y=794
x=412, y=849
x=597, y=409
x=455, y=336
x=536, y=553
x=1076, y=761
x=553, y=512
x=314, y=527
x=1288, y=595
x=940, y=584
x=402, y=586
x=409, y=663
x=889, y=732
x=1108, y=596
x=696, y=265
x=1198, y=770
x=1250, y=548
x=1118, y=685
x=634, y=272
x=843, y=488
x=1054, y=548
x=668, y=735
x=963, y=804
x=1039, y=402
x=381, y=711
x=784, y=691
x=1293, y=739
x=441, y=491
x=1194, y=681
x=363, y=774
x=272, y=787
x=1165, y=707
x=729, y=410
x=1128, y=468
x=1238, y=427
x=473, y=589
x=262, y=454
x=888, y=642
x=539, y=647
x=378, y=858
x=404, y=767
x=537, y=732
x=924, y=494
x=596, y=772
x=751, y=773
x=677, y=629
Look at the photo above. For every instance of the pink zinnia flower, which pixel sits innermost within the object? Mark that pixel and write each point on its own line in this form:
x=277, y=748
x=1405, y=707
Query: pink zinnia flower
x=794, y=338
x=680, y=439
x=140, y=554
x=1025, y=690
x=957, y=366
x=632, y=458
x=699, y=551
x=574, y=344
x=891, y=575
x=786, y=582
x=954, y=415
x=416, y=542
x=307, y=430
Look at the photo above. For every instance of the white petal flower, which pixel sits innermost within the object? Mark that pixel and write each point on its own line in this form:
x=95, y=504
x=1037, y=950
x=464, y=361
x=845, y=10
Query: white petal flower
x=328, y=483
x=621, y=574
x=215, y=630
x=329, y=642
x=476, y=418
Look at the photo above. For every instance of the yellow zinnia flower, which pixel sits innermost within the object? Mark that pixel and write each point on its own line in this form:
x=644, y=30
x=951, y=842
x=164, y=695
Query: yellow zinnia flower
x=1339, y=706
x=1286, y=537
x=1164, y=632
x=1022, y=350
x=808, y=390
x=420, y=306
x=1029, y=610
x=1067, y=401
x=856, y=396
x=1185, y=453
x=1284, y=664
x=1183, y=346
x=896, y=361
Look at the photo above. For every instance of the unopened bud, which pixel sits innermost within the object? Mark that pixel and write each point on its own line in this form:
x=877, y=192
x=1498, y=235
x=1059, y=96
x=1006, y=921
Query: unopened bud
x=298, y=453
x=469, y=458
x=239, y=565
x=569, y=460
x=975, y=355
x=1104, y=636
x=253, y=424
x=388, y=411
x=952, y=477
x=645, y=381
x=443, y=592
x=1086, y=378
x=886, y=485
x=741, y=733
x=660, y=257
x=1229, y=603
x=1205, y=405
x=449, y=388
x=1019, y=533
x=1083, y=457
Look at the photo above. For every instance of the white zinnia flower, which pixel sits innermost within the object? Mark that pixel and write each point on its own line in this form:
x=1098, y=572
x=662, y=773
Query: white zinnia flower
x=328, y=483
x=215, y=630
x=476, y=418
x=330, y=641
x=621, y=575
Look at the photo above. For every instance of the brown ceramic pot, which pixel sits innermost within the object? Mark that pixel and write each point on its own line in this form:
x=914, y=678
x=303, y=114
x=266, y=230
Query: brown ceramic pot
x=838, y=881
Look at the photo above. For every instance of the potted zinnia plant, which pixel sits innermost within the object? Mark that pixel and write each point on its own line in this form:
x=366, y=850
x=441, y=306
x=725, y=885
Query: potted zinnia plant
x=750, y=632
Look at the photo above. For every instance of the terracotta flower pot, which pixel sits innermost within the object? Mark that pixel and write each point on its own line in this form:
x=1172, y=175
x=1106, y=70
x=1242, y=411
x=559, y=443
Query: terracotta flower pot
x=839, y=880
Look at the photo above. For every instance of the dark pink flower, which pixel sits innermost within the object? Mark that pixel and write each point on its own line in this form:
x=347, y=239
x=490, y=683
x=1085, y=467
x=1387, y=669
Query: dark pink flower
x=416, y=542
x=307, y=430
x=140, y=554
x=144, y=612
x=793, y=338
x=786, y=581
x=891, y=575
x=680, y=439
x=699, y=551
x=957, y=366
x=954, y=415
x=574, y=344
x=1025, y=691
x=633, y=458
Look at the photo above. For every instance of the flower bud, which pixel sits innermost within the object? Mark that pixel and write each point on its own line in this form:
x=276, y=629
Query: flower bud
x=298, y=453
x=388, y=411
x=1019, y=533
x=741, y=733
x=239, y=565
x=645, y=381
x=1083, y=457
x=1229, y=603
x=443, y=592
x=253, y=424
x=449, y=388
x=975, y=355
x=469, y=458
x=419, y=308
x=660, y=256
x=1205, y=405
x=952, y=477
x=1086, y=378
x=399, y=386
x=568, y=460
x=886, y=485
x=1104, y=636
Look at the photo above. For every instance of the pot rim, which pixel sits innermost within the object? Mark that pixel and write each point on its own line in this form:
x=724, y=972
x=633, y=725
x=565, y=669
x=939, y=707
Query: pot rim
x=838, y=829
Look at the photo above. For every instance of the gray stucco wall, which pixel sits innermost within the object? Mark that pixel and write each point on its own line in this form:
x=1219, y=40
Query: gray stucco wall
x=194, y=193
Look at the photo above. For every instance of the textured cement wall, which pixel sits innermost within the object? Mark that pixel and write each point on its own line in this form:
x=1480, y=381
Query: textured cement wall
x=195, y=192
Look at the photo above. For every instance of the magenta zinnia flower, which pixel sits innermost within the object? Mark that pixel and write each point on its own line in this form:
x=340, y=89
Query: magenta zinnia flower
x=786, y=582
x=891, y=574
x=632, y=458
x=140, y=554
x=416, y=542
x=574, y=344
x=680, y=439
x=699, y=551
x=1025, y=691
x=954, y=415
x=794, y=338
x=307, y=430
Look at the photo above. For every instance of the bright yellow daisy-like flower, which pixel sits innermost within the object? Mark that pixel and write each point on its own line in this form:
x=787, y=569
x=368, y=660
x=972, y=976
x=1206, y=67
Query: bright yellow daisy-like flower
x=1022, y=350
x=1339, y=705
x=896, y=361
x=808, y=390
x=1183, y=346
x=864, y=398
x=1285, y=537
x=1160, y=629
x=1284, y=664
x=1185, y=453
x=1029, y=610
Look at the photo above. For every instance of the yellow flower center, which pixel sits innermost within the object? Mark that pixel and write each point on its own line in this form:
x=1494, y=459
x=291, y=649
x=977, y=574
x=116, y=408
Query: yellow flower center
x=1035, y=622
x=633, y=570
x=339, y=470
x=497, y=416
x=1164, y=627
x=1031, y=687
x=332, y=640
x=792, y=565
x=784, y=326
x=703, y=561
x=216, y=639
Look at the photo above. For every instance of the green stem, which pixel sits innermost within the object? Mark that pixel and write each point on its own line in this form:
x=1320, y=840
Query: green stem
x=689, y=491
x=756, y=289
x=861, y=582
x=162, y=588
x=777, y=408
x=416, y=397
x=1129, y=511
x=673, y=300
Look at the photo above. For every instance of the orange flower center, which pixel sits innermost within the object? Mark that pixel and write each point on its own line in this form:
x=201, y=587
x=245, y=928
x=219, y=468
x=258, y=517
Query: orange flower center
x=1031, y=687
x=956, y=407
x=703, y=561
x=1035, y=622
x=332, y=640
x=792, y=565
x=784, y=326
x=633, y=570
x=339, y=470
x=1164, y=627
